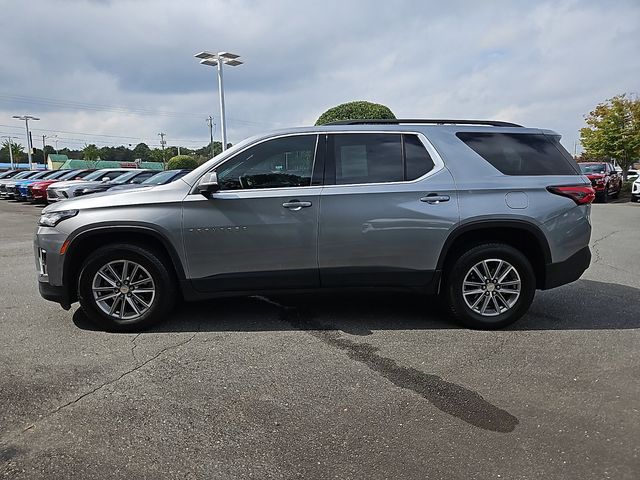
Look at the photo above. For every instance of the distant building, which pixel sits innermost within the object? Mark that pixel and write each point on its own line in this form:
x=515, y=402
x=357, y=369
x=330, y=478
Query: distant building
x=55, y=161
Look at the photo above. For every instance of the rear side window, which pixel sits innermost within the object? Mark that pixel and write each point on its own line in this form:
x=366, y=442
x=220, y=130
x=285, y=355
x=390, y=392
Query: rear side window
x=378, y=158
x=521, y=153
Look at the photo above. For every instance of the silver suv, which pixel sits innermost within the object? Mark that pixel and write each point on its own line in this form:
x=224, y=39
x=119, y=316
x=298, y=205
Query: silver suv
x=481, y=213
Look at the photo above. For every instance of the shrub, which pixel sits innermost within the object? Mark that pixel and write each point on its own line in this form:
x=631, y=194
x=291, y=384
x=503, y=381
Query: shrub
x=182, y=161
x=354, y=111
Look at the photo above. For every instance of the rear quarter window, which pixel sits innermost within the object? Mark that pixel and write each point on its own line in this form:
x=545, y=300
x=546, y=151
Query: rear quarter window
x=521, y=153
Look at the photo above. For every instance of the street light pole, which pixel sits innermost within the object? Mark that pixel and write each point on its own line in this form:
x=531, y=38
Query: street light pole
x=26, y=119
x=216, y=60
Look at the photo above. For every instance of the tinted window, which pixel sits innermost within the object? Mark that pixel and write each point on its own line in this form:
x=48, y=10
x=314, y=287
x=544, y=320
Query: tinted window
x=111, y=175
x=521, y=153
x=368, y=158
x=417, y=159
x=591, y=168
x=282, y=162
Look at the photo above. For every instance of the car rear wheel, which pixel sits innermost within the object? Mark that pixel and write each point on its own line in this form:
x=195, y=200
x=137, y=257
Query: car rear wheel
x=490, y=286
x=125, y=288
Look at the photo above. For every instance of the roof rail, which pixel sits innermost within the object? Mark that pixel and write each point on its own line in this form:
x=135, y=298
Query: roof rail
x=435, y=121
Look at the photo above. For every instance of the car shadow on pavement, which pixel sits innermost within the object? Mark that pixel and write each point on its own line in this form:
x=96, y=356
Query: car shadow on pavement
x=582, y=305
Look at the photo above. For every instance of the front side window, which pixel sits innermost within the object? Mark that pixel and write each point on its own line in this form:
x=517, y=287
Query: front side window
x=278, y=163
x=378, y=158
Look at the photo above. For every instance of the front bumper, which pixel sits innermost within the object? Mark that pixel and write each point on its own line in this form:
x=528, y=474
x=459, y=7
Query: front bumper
x=55, y=294
x=567, y=271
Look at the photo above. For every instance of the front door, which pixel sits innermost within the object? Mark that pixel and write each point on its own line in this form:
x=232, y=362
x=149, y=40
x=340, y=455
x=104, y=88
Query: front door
x=385, y=212
x=260, y=230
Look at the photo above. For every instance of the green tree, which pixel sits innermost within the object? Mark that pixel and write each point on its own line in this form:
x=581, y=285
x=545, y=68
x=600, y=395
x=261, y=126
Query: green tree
x=355, y=111
x=91, y=154
x=613, y=131
x=142, y=152
x=182, y=161
x=16, y=149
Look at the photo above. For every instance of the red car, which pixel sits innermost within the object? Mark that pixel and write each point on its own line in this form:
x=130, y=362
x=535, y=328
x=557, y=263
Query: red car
x=606, y=181
x=38, y=190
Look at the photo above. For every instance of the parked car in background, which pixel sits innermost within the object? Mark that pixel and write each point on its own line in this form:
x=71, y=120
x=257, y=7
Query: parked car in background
x=69, y=189
x=134, y=177
x=635, y=190
x=606, y=181
x=161, y=178
x=11, y=187
x=38, y=189
x=9, y=173
x=632, y=174
x=5, y=181
x=481, y=213
x=22, y=187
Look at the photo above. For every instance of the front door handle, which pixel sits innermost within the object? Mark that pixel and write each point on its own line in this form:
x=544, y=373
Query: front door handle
x=434, y=198
x=296, y=205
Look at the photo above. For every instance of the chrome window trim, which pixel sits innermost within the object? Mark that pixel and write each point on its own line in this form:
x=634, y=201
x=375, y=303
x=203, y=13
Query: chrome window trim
x=435, y=156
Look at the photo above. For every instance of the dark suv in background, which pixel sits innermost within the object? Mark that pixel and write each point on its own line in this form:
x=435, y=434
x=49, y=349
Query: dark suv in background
x=482, y=213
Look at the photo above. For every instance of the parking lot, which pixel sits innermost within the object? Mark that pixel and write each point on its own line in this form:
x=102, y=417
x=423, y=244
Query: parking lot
x=349, y=386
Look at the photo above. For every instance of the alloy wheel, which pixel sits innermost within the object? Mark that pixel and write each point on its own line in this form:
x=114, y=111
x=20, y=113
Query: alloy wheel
x=123, y=289
x=491, y=287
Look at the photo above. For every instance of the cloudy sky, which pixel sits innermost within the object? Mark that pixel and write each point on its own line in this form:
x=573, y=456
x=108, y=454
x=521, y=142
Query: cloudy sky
x=118, y=72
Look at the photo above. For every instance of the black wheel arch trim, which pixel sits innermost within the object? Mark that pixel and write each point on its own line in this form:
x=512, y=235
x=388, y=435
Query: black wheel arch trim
x=94, y=230
x=481, y=224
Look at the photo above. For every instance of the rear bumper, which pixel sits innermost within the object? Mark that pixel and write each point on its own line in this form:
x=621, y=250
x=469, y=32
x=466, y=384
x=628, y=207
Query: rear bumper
x=567, y=271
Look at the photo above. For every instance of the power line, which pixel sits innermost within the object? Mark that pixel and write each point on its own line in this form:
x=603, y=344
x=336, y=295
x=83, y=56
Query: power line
x=125, y=109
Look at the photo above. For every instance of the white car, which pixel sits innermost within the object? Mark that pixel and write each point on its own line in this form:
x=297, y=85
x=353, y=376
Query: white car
x=635, y=191
x=632, y=174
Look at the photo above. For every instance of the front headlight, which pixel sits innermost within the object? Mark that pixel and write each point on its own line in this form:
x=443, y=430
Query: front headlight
x=51, y=219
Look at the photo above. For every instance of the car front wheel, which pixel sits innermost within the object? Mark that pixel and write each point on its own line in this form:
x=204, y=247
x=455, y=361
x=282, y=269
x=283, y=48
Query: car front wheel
x=125, y=288
x=490, y=286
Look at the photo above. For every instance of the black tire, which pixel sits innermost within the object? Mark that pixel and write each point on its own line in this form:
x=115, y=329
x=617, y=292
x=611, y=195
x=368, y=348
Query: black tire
x=154, y=264
x=617, y=194
x=454, y=286
x=602, y=197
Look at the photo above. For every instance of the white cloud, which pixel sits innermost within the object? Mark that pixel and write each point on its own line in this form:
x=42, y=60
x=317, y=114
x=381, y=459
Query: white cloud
x=537, y=63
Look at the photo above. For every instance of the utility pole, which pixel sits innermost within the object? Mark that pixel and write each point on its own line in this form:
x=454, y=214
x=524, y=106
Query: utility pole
x=26, y=119
x=178, y=149
x=162, y=144
x=210, y=123
x=44, y=154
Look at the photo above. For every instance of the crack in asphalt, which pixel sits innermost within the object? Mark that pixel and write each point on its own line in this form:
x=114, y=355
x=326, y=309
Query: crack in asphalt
x=6, y=440
x=134, y=346
x=122, y=375
x=450, y=398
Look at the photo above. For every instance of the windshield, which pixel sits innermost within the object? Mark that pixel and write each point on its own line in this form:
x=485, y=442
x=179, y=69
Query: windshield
x=124, y=178
x=8, y=173
x=25, y=174
x=592, y=168
x=44, y=174
x=159, y=178
x=69, y=175
x=58, y=174
x=96, y=175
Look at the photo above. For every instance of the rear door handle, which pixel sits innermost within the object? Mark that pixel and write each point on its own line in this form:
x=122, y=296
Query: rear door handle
x=296, y=204
x=434, y=198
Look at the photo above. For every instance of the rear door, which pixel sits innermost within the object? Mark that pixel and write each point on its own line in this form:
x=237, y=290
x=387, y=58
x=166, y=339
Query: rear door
x=385, y=211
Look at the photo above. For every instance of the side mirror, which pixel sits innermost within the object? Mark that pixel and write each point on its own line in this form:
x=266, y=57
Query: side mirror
x=208, y=184
x=105, y=179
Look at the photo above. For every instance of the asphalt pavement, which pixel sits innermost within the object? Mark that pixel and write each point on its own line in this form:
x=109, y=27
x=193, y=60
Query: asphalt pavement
x=324, y=386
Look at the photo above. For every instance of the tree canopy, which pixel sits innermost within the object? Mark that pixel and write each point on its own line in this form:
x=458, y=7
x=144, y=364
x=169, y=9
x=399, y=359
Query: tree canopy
x=613, y=131
x=182, y=161
x=354, y=111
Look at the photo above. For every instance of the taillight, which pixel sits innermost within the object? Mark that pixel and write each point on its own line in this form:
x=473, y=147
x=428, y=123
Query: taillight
x=581, y=194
